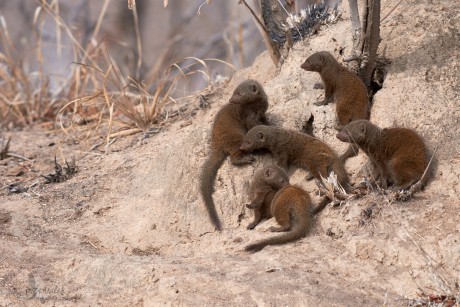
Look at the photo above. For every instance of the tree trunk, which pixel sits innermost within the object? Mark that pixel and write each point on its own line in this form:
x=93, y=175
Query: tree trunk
x=357, y=34
x=366, y=38
x=371, y=40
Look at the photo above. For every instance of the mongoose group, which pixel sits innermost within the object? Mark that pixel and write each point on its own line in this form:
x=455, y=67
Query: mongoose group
x=398, y=155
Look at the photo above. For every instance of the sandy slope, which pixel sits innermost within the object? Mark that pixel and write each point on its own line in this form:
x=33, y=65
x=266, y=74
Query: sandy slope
x=131, y=229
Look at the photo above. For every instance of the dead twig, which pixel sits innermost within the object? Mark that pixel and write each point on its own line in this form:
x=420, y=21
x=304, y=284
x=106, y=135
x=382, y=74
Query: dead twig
x=274, y=52
x=4, y=149
x=13, y=155
x=257, y=19
x=391, y=11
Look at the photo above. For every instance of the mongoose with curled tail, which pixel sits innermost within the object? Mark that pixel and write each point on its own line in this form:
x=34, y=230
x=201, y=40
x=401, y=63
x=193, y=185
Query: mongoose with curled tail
x=291, y=209
x=398, y=155
x=343, y=87
x=246, y=109
x=264, y=186
x=299, y=149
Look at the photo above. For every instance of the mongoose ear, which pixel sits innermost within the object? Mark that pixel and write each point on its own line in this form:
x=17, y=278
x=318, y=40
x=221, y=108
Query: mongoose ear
x=363, y=128
x=260, y=135
x=254, y=88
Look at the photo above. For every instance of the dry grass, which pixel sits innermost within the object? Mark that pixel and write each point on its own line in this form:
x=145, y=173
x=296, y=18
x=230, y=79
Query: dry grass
x=24, y=97
x=97, y=98
x=4, y=149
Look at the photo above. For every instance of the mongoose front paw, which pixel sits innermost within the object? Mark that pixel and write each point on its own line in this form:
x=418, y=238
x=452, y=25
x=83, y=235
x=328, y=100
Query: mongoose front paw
x=322, y=102
x=251, y=206
x=318, y=86
x=243, y=160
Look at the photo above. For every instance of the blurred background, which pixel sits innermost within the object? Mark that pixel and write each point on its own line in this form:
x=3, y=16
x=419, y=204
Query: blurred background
x=57, y=52
x=223, y=30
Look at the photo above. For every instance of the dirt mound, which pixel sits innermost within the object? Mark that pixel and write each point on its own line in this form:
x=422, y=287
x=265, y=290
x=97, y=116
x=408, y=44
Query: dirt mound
x=130, y=226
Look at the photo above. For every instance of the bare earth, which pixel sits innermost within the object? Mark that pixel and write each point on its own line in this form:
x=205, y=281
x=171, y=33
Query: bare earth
x=130, y=227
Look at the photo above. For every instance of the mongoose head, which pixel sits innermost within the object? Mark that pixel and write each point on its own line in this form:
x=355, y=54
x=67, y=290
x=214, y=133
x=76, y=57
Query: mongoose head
x=354, y=132
x=316, y=61
x=275, y=177
x=246, y=92
x=256, y=138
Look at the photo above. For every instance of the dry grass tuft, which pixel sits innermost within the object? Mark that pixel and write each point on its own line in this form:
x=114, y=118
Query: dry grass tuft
x=117, y=110
x=97, y=98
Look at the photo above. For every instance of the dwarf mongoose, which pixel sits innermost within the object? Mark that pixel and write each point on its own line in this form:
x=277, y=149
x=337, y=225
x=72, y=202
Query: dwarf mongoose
x=264, y=186
x=291, y=209
x=246, y=109
x=299, y=149
x=343, y=87
x=399, y=155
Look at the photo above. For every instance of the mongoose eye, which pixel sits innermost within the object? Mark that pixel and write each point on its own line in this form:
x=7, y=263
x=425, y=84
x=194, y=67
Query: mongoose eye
x=240, y=94
x=260, y=136
x=268, y=173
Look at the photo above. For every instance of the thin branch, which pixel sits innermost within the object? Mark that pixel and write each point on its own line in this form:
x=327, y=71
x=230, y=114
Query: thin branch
x=274, y=52
x=138, y=41
x=391, y=11
x=254, y=15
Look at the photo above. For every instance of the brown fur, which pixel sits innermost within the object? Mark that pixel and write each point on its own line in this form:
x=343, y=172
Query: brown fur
x=291, y=208
x=299, y=149
x=343, y=87
x=246, y=109
x=399, y=155
x=264, y=186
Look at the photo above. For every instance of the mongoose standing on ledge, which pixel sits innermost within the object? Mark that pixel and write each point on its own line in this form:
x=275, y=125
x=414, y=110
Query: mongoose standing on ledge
x=291, y=209
x=246, y=109
x=343, y=87
x=264, y=186
x=399, y=155
x=299, y=149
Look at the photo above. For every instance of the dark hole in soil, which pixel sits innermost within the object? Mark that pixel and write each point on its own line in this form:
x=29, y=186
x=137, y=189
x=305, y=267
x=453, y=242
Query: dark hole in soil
x=378, y=76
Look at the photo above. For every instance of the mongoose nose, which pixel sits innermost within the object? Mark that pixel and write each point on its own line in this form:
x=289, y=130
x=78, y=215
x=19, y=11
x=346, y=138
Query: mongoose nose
x=341, y=136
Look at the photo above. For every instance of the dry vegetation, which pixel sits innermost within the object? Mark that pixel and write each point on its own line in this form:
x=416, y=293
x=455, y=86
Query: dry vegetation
x=97, y=99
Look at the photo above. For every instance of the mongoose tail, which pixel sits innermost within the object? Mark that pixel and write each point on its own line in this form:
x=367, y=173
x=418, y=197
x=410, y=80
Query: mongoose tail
x=208, y=176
